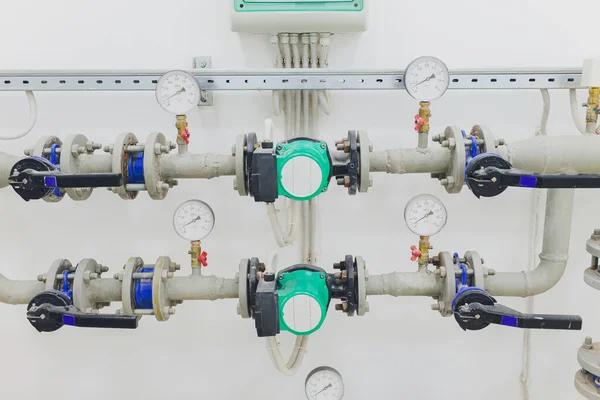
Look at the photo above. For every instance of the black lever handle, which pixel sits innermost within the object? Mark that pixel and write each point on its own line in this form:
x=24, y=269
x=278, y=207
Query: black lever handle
x=475, y=309
x=50, y=310
x=34, y=178
x=489, y=175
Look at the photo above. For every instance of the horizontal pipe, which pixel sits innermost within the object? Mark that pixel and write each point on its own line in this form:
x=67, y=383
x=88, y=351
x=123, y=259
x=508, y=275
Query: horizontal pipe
x=105, y=290
x=408, y=161
x=6, y=163
x=404, y=284
x=198, y=287
x=199, y=166
x=554, y=255
x=555, y=154
x=95, y=163
x=18, y=292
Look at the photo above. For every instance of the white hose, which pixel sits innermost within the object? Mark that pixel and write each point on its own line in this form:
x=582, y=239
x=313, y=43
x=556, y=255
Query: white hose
x=297, y=95
x=32, y=118
x=546, y=111
x=574, y=111
x=291, y=367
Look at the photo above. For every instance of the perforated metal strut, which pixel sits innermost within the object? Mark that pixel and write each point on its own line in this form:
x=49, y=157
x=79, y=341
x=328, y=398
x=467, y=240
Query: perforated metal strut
x=274, y=79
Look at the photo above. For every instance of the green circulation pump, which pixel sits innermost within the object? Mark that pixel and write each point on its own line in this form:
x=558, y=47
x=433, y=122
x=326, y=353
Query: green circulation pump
x=315, y=150
x=303, y=281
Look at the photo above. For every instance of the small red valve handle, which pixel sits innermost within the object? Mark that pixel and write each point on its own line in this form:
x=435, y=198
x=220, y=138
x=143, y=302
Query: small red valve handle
x=203, y=259
x=419, y=122
x=416, y=253
x=185, y=135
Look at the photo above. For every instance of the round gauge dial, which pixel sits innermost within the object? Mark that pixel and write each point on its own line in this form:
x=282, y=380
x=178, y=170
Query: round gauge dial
x=324, y=383
x=425, y=215
x=194, y=220
x=178, y=92
x=426, y=78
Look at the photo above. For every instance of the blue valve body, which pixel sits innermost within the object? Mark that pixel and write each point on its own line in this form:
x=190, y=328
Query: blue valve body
x=135, y=168
x=143, y=291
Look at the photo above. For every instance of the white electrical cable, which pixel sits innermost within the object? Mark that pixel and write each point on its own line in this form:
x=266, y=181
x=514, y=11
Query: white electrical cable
x=291, y=367
x=545, y=112
x=32, y=118
x=277, y=63
x=574, y=111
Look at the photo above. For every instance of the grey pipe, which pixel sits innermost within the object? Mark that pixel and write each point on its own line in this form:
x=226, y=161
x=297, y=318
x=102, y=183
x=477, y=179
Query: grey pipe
x=95, y=163
x=199, y=166
x=6, y=163
x=105, y=290
x=554, y=255
x=404, y=284
x=407, y=161
x=198, y=287
x=18, y=292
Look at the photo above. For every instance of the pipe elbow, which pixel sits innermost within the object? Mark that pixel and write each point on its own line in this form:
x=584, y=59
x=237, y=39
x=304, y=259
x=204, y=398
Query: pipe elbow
x=18, y=292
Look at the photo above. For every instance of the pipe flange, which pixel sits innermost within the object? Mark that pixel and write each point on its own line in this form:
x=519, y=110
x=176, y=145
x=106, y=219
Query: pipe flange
x=455, y=177
x=132, y=265
x=57, y=267
x=120, y=161
x=81, y=284
x=364, y=150
x=476, y=265
x=160, y=299
x=240, y=165
x=361, y=282
x=584, y=383
x=484, y=133
x=243, y=310
x=591, y=277
x=46, y=142
x=449, y=290
x=588, y=357
x=70, y=163
x=156, y=187
x=593, y=247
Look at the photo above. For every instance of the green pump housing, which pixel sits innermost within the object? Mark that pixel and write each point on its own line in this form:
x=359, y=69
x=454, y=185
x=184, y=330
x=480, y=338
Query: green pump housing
x=303, y=147
x=302, y=280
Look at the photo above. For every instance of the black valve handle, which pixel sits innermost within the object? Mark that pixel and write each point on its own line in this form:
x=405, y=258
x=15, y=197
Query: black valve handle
x=475, y=309
x=34, y=178
x=489, y=175
x=51, y=310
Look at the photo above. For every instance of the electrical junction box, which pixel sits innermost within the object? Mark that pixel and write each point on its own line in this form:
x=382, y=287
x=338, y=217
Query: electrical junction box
x=590, y=76
x=299, y=16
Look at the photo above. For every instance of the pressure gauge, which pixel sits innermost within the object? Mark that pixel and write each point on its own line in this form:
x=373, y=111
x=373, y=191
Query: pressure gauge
x=194, y=220
x=324, y=383
x=178, y=92
x=425, y=215
x=426, y=78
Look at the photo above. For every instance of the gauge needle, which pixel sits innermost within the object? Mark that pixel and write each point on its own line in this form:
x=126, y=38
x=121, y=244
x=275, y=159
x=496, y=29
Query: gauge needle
x=322, y=390
x=176, y=93
x=426, y=80
x=192, y=221
x=425, y=216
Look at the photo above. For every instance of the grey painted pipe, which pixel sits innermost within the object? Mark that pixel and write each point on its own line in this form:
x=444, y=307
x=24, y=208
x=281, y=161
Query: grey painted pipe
x=95, y=163
x=407, y=161
x=105, y=290
x=18, y=292
x=404, y=284
x=6, y=163
x=199, y=166
x=554, y=255
x=198, y=287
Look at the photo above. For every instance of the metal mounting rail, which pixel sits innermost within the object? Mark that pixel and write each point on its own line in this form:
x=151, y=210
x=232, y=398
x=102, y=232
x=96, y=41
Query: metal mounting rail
x=277, y=79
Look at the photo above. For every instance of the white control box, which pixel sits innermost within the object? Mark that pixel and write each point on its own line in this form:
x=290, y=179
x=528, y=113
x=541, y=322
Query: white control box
x=591, y=73
x=299, y=16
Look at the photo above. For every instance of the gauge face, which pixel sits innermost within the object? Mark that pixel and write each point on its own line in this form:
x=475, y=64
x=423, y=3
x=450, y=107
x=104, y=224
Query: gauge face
x=324, y=383
x=178, y=92
x=425, y=215
x=194, y=220
x=426, y=78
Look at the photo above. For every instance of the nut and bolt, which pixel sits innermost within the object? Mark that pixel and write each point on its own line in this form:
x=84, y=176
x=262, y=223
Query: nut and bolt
x=41, y=278
x=435, y=138
x=371, y=182
x=491, y=272
x=235, y=184
x=239, y=309
x=345, y=181
x=323, y=146
x=233, y=150
x=587, y=343
x=109, y=148
x=28, y=152
x=435, y=307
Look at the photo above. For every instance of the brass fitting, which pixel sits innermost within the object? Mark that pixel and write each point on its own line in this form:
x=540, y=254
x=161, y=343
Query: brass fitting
x=592, y=106
x=195, y=252
x=181, y=126
x=424, y=247
x=425, y=113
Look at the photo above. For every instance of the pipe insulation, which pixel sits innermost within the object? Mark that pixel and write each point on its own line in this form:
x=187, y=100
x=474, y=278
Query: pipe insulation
x=199, y=166
x=6, y=163
x=554, y=255
x=397, y=284
x=18, y=292
x=405, y=161
x=556, y=154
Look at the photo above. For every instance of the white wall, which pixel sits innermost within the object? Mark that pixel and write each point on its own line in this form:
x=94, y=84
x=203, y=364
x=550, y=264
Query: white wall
x=399, y=350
